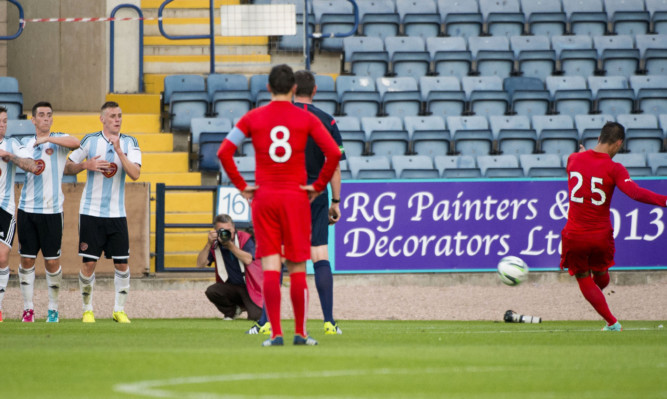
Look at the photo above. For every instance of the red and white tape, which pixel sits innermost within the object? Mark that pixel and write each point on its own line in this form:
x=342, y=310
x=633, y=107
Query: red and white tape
x=23, y=21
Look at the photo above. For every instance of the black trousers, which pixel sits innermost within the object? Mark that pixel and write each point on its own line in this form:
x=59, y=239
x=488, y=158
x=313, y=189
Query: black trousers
x=226, y=297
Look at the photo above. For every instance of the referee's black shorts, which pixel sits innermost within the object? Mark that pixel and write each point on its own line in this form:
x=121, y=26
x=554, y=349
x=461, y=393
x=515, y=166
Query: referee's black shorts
x=319, y=213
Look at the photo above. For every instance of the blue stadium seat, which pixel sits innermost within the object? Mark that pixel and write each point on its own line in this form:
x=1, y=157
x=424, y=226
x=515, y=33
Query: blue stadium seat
x=371, y=167
x=471, y=135
x=246, y=167
x=586, y=17
x=229, y=95
x=528, y=96
x=408, y=56
x=326, y=97
x=414, y=167
x=378, y=18
x=365, y=56
x=499, y=166
x=617, y=55
x=544, y=17
x=209, y=143
x=492, y=55
x=627, y=17
x=357, y=96
x=461, y=18
x=10, y=97
x=643, y=134
x=503, y=18
x=638, y=121
x=419, y=17
x=653, y=52
x=442, y=96
x=20, y=128
x=612, y=95
x=199, y=126
x=450, y=56
x=385, y=135
x=541, y=165
x=635, y=163
x=576, y=55
x=589, y=127
x=556, y=134
x=345, y=172
x=295, y=42
x=486, y=95
x=333, y=17
x=658, y=163
x=354, y=139
x=513, y=134
x=650, y=93
x=570, y=94
x=534, y=56
x=457, y=166
x=428, y=135
x=186, y=97
x=658, y=11
x=400, y=96
x=258, y=85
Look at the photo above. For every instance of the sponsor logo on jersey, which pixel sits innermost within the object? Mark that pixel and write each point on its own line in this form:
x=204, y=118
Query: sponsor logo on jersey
x=49, y=151
x=40, y=167
x=111, y=170
x=83, y=246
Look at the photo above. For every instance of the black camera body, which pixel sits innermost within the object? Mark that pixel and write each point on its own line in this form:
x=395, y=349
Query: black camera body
x=224, y=235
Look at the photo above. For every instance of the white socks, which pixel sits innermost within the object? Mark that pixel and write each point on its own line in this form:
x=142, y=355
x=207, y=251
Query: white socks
x=121, y=281
x=86, y=286
x=27, y=281
x=4, y=278
x=53, y=281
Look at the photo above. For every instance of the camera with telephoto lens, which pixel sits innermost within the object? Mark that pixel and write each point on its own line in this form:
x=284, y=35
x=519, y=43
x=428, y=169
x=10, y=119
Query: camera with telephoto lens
x=224, y=235
x=513, y=317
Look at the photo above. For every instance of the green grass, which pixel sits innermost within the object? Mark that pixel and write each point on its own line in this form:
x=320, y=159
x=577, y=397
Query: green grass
x=195, y=358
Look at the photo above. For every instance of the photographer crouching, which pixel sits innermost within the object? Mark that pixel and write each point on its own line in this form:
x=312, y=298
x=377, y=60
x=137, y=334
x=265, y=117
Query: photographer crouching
x=238, y=276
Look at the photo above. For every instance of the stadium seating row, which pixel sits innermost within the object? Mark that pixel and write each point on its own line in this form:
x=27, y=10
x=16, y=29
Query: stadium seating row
x=434, y=136
x=466, y=166
x=531, y=56
x=10, y=97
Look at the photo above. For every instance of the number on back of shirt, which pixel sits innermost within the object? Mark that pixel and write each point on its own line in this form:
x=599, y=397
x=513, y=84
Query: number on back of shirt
x=595, y=191
x=280, y=151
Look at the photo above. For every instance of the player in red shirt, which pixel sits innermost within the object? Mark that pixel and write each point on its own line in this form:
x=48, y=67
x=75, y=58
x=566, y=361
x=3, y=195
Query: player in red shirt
x=588, y=241
x=281, y=199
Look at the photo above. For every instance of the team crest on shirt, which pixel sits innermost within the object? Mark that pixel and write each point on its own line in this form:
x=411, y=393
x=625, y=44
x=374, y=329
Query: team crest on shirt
x=49, y=151
x=40, y=167
x=83, y=246
x=111, y=170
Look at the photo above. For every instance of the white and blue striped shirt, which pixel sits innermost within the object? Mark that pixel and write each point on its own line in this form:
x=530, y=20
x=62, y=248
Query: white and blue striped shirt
x=104, y=193
x=42, y=191
x=8, y=171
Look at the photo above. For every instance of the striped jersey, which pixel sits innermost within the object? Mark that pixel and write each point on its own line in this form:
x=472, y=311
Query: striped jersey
x=8, y=171
x=104, y=193
x=42, y=191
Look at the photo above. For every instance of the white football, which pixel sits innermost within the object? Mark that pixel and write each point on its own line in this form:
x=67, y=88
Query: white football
x=512, y=270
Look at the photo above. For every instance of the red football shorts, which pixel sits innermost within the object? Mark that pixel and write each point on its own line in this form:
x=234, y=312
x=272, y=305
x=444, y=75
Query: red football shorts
x=582, y=252
x=281, y=219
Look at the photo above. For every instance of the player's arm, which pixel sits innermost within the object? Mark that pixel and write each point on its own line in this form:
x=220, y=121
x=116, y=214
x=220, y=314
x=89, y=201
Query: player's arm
x=334, y=209
x=27, y=164
x=331, y=152
x=66, y=141
x=226, y=157
x=202, y=257
x=632, y=189
x=132, y=169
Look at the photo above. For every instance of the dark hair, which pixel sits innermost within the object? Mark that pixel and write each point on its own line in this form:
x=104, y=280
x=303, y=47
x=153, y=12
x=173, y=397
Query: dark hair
x=223, y=218
x=3, y=109
x=40, y=104
x=109, y=104
x=281, y=79
x=611, y=133
x=305, y=83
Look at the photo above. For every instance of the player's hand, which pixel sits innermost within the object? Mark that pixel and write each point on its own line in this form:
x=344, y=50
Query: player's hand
x=334, y=213
x=312, y=193
x=249, y=192
x=41, y=140
x=582, y=148
x=95, y=164
x=115, y=141
x=5, y=156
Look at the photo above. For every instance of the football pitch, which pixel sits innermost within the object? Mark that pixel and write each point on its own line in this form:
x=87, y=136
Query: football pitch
x=212, y=359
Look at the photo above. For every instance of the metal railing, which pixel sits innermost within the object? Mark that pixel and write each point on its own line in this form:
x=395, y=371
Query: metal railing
x=21, y=22
x=210, y=36
x=352, y=32
x=141, y=45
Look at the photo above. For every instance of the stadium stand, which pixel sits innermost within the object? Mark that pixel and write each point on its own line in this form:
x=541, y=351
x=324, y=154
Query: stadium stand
x=10, y=97
x=457, y=166
x=186, y=98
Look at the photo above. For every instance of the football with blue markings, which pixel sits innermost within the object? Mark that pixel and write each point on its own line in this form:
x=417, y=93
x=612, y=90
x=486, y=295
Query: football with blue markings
x=512, y=270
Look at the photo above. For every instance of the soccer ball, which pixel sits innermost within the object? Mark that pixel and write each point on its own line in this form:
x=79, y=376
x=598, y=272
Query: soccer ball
x=512, y=270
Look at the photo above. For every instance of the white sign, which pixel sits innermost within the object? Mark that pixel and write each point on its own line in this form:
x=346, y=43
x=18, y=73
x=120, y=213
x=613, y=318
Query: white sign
x=258, y=20
x=232, y=203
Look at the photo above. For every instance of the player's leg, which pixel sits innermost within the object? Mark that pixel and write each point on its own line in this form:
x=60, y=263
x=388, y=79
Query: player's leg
x=91, y=239
x=319, y=254
x=7, y=229
x=29, y=246
x=50, y=231
x=117, y=247
x=300, y=299
x=601, y=279
x=271, y=290
x=595, y=297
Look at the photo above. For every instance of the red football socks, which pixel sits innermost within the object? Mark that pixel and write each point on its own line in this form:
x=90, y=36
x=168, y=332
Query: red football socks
x=594, y=295
x=271, y=292
x=601, y=280
x=299, y=294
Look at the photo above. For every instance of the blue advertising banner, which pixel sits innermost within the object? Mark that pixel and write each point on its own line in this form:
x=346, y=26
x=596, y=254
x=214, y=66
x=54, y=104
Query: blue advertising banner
x=468, y=225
